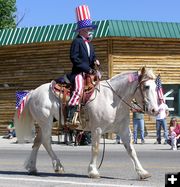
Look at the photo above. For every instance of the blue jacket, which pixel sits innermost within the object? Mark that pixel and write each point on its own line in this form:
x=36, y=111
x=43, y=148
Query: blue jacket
x=79, y=57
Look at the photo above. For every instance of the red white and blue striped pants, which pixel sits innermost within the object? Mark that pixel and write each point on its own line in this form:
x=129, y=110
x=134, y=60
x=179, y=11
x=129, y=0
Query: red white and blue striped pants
x=79, y=85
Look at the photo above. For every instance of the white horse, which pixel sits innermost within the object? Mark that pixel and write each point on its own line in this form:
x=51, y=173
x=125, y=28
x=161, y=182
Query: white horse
x=107, y=111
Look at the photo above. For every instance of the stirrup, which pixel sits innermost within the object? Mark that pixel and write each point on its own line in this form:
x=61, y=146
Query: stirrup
x=74, y=123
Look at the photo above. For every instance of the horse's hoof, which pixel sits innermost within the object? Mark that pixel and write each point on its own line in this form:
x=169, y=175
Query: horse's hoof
x=145, y=176
x=94, y=176
x=60, y=171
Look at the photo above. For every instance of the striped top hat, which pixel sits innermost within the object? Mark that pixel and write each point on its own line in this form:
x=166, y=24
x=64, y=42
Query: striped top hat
x=83, y=18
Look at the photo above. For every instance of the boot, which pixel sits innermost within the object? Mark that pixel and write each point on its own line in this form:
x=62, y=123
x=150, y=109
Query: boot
x=71, y=112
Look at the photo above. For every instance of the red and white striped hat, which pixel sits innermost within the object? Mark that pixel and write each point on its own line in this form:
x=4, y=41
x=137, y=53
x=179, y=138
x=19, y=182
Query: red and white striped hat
x=84, y=18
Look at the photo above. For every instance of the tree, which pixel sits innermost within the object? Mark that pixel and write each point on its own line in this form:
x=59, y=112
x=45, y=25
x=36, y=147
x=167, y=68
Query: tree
x=7, y=14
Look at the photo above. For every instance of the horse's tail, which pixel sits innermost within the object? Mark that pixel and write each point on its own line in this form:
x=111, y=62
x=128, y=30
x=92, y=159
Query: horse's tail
x=24, y=123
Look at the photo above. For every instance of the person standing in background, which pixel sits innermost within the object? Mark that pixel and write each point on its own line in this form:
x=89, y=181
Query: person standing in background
x=138, y=122
x=163, y=112
x=174, y=133
x=118, y=139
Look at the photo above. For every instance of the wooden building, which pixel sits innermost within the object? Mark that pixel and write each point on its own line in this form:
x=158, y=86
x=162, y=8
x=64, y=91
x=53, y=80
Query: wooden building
x=32, y=56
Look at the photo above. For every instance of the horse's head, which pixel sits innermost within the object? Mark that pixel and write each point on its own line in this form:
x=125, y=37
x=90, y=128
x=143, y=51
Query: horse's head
x=146, y=94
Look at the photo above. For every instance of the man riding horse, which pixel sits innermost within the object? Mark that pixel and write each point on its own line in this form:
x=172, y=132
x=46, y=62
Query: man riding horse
x=83, y=58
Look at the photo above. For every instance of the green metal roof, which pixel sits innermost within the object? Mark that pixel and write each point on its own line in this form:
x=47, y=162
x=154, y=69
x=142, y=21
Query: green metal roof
x=106, y=28
x=46, y=33
x=145, y=29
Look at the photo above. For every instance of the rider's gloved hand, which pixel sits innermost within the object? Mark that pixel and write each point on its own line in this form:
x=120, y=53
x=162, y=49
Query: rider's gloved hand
x=96, y=62
x=92, y=71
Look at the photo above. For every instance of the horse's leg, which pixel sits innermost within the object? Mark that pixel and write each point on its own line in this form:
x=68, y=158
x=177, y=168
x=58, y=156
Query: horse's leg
x=92, y=169
x=125, y=135
x=46, y=141
x=30, y=164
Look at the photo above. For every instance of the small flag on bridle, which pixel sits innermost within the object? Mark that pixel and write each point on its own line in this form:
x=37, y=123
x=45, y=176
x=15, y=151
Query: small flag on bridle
x=21, y=98
x=159, y=88
x=133, y=77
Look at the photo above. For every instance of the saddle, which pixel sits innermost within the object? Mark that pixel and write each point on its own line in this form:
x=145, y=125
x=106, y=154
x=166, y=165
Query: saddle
x=62, y=88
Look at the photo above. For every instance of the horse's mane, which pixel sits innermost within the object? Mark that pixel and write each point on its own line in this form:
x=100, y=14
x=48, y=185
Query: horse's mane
x=121, y=75
x=147, y=74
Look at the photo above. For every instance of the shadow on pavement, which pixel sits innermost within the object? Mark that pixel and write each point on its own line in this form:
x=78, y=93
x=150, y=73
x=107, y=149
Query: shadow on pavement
x=70, y=175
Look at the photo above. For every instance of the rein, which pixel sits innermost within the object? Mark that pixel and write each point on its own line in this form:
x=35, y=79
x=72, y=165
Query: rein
x=124, y=101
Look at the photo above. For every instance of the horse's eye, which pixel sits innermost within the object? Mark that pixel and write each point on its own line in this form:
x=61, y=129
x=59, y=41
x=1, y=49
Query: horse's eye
x=146, y=87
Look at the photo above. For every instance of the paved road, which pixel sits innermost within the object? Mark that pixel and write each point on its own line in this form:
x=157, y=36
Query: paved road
x=116, y=170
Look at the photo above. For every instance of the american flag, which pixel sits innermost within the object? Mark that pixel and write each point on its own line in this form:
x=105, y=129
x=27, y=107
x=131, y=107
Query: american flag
x=159, y=88
x=21, y=97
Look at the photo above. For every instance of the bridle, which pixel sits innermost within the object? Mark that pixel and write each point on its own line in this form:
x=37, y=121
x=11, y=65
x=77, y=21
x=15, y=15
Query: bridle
x=141, y=88
x=140, y=85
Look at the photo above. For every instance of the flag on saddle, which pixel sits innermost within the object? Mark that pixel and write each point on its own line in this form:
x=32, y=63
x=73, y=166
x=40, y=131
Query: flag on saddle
x=21, y=98
x=159, y=88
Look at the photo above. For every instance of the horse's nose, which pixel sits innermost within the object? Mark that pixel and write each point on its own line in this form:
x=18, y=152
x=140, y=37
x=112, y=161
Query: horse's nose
x=153, y=111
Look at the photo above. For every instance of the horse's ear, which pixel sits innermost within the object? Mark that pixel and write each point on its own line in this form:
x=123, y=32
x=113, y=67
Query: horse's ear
x=143, y=70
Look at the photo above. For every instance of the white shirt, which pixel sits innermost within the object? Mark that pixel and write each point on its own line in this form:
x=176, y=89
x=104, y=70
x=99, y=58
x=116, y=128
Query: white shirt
x=87, y=45
x=162, y=111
